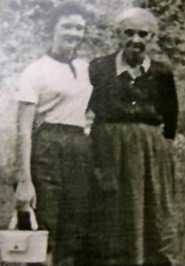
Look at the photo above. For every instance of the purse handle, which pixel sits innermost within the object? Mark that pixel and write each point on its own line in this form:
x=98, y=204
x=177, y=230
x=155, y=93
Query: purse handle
x=32, y=217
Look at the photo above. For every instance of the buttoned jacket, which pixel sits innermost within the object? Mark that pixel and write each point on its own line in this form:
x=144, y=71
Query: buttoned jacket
x=150, y=98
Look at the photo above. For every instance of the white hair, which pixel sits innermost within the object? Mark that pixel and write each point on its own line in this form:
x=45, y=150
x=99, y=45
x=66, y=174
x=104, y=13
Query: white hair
x=142, y=14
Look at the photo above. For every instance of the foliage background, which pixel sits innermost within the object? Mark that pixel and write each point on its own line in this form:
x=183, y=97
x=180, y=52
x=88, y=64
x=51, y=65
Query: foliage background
x=24, y=37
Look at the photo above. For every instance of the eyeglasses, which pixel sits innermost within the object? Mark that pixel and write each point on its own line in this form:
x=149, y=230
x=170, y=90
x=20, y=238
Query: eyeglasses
x=141, y=33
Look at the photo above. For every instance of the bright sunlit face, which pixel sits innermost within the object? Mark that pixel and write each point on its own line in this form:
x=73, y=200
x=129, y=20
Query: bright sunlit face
x=69, y=33
x=135, y=36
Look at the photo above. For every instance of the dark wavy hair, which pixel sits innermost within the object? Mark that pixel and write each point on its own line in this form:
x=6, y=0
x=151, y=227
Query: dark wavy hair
x=70, y=8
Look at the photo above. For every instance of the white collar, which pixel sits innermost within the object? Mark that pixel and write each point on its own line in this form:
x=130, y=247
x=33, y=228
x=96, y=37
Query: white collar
x=123, y=66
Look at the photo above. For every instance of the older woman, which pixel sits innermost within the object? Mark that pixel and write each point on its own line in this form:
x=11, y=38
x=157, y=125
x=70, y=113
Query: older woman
x=54, y=157
x=135, y=105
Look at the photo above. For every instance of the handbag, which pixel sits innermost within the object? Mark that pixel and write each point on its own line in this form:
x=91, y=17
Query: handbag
x=23, y=246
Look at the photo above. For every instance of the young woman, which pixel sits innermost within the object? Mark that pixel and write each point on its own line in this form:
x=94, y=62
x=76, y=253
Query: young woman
x=54, y=152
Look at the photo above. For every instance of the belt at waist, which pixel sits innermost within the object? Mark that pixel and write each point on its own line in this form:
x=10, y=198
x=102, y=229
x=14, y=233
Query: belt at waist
x=152, y=122
x=62, y=127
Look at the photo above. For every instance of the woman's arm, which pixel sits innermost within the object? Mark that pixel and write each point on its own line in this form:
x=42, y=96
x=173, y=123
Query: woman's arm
x=169, y=105
x=25, y=191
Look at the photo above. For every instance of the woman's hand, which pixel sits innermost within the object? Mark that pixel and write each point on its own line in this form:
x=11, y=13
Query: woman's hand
x=25, y=193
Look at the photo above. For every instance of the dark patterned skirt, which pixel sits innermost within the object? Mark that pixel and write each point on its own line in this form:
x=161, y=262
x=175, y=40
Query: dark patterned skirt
x=132, y=218
x=61, y=170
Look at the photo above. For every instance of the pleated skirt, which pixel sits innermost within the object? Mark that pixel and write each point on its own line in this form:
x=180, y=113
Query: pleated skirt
x=133, y=206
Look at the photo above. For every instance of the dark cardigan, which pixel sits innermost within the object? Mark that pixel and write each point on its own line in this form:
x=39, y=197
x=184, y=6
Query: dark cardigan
x=151, y=99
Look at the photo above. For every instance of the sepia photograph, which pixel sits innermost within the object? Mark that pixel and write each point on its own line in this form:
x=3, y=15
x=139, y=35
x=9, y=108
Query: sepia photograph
x=92, y=126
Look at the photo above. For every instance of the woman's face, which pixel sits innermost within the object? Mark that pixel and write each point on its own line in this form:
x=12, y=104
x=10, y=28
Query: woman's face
x=69, y=33
x=135, y=37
